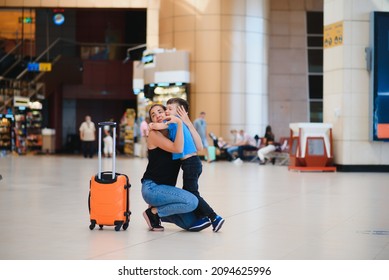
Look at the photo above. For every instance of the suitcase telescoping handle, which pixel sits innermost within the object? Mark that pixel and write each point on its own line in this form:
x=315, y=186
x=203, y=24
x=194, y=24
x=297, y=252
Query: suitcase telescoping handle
x=100, y=127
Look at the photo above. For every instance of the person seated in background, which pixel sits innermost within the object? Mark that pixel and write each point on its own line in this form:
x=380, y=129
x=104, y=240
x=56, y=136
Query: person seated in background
x=237, y=149
x=222, y=144
x=268, y=141
x=236, y=138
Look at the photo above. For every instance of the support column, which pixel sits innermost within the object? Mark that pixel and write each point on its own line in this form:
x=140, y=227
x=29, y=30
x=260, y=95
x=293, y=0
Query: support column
x=228, y=45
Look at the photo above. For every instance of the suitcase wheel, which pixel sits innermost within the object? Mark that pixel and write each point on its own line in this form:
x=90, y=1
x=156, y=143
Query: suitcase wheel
x=125, y=226
x=101, y=227
x=117, y=227
x=92, y=225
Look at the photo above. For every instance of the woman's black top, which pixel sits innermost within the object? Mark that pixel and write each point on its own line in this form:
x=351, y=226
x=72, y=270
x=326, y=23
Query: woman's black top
x=162, y=169
x=269, y=138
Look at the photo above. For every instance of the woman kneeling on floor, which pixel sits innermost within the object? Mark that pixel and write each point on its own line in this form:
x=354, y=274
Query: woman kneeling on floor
x=168, y=203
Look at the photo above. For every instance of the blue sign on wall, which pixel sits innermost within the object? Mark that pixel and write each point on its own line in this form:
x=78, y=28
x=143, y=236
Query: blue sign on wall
x=380, y=76
x=33, y=67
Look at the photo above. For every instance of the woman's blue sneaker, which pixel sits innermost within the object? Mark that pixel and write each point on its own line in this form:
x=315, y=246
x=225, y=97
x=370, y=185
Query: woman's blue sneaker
x=200, y=224
x=217, y=223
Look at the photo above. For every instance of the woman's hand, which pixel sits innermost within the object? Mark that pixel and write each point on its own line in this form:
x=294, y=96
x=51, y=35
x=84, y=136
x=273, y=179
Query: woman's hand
x=183, y=114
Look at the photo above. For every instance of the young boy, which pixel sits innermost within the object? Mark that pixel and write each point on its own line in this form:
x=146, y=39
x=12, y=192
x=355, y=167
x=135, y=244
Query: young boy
x=191, y=164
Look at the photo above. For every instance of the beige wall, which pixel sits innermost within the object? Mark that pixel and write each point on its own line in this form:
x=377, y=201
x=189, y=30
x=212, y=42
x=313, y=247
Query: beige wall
x=248, y=60
x=346, y=84
x=288, y=63
x=228, y=43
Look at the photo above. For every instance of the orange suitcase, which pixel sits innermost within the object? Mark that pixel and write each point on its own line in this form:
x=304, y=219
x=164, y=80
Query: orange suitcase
x=109, y=193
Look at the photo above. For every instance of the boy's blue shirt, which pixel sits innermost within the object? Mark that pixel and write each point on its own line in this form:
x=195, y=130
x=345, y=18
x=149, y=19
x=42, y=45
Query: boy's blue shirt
x=189, y=145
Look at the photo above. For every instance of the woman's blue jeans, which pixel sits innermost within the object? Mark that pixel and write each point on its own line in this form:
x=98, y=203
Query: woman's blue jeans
x=169, y=200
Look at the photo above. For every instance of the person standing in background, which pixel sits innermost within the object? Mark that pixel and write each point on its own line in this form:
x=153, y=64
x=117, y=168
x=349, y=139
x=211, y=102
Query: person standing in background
x=144, y=132
x=108, y=144
x=136, y=130
x=200, y=125
x=87, y=137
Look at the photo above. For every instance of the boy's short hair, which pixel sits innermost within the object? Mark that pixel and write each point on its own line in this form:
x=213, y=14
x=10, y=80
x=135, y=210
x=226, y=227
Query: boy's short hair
x=179, y=102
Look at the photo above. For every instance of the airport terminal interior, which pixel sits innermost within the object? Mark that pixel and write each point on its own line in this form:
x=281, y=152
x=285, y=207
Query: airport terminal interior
x=298, y=65
x=270, y=214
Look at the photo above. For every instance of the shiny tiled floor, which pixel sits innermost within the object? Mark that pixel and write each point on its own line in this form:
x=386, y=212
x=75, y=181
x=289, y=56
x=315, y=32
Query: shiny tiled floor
x=271, y=213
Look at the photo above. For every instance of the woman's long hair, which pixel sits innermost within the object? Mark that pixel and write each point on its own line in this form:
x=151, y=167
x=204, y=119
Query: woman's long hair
x=268, y=131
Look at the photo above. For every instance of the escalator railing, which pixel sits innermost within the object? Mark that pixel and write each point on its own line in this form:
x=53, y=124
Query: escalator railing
x=24, y=84
x=10, y=60
x=29, y=83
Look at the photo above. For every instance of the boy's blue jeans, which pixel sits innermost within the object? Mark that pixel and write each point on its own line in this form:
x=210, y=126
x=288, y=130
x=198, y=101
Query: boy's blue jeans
x=184, y=221
x=192, y=169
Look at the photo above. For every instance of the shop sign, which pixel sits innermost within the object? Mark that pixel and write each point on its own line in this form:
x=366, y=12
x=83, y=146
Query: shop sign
x=39, y=67
x=21, y=101
x=333, y=35
x=27, y=20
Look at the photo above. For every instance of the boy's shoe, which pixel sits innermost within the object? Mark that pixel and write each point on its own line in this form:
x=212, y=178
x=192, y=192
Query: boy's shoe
x=217, y=223
x=152, y=220
x=200, y=224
